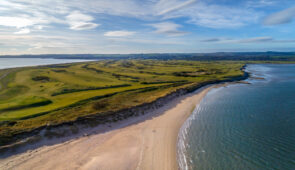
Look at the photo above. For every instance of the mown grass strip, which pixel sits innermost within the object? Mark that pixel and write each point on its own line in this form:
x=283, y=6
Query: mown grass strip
x=81, y=102
x=164, y=82
x=37, y=104
x=67, y=91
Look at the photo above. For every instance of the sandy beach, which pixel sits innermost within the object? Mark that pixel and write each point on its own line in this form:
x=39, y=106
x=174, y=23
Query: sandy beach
x=149, y=144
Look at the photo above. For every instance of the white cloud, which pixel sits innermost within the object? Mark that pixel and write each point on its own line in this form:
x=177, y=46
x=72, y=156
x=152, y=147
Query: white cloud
x=196, y=11
x=79, y=21
x=263, y=40
x=118, y=33
x=218, y=16
x=23, y=31
x=282, y=17
x=168, y=28
x=260, y=3
x=158, y=41
x=256, y=40
x=177, y=7
x=78, y=16
x=247, y=40
x=129, y=8
x=39, y=27
x=17, y=22
x=210, y=40
x=83, y=25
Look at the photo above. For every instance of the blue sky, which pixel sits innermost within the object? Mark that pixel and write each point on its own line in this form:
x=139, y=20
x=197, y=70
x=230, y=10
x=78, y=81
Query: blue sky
x=145, y=26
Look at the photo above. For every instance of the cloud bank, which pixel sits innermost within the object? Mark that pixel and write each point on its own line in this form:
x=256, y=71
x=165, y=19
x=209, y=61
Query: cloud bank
x=101, y=26
x=282, y=17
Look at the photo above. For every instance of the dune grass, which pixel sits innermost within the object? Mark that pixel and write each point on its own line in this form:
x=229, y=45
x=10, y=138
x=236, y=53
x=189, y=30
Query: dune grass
x=37, y=96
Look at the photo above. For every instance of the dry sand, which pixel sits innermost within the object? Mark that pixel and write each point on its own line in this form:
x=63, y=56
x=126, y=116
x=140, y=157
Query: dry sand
x=149, y=145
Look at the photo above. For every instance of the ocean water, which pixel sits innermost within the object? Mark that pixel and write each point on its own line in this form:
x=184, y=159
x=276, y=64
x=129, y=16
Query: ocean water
x=24, y=62
x=244, y=126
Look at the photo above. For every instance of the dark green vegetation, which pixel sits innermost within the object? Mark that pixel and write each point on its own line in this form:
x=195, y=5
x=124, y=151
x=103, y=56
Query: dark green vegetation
x=51, y=95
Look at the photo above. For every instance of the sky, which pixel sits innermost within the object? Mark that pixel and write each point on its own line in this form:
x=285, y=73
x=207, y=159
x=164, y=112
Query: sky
x=145, y=26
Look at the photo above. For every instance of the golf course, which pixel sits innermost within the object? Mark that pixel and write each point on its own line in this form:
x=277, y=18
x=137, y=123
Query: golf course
x=38, y=96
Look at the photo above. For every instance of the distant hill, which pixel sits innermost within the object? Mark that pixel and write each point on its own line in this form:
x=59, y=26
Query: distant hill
x=256, y=56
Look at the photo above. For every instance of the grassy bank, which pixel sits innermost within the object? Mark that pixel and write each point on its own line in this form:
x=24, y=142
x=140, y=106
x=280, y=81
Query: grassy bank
x=50, y=95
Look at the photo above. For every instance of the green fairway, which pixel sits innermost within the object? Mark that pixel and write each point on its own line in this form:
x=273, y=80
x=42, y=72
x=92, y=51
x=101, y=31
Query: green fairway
x=37, y=96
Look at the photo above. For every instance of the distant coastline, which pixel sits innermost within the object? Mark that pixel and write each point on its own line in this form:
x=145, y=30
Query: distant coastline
x=7, y=62
x=214, y=56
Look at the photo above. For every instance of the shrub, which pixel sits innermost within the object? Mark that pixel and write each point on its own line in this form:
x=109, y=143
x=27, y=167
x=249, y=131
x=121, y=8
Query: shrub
x=100, y=105
x=41, y=78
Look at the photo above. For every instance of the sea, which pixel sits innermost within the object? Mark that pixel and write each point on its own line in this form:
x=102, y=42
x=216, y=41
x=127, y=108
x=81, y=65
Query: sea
x=25, y=62
x=244, y=126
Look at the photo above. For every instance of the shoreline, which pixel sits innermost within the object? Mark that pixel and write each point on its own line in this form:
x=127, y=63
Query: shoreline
x=150, y=140
x=150, y=144
x=182, y=158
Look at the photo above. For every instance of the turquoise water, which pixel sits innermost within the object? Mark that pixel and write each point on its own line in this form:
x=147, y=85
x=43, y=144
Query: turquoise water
x=246, y=126
x=24, y=62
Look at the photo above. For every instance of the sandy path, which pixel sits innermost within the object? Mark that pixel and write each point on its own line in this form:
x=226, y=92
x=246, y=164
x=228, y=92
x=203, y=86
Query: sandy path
x=148, y=145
